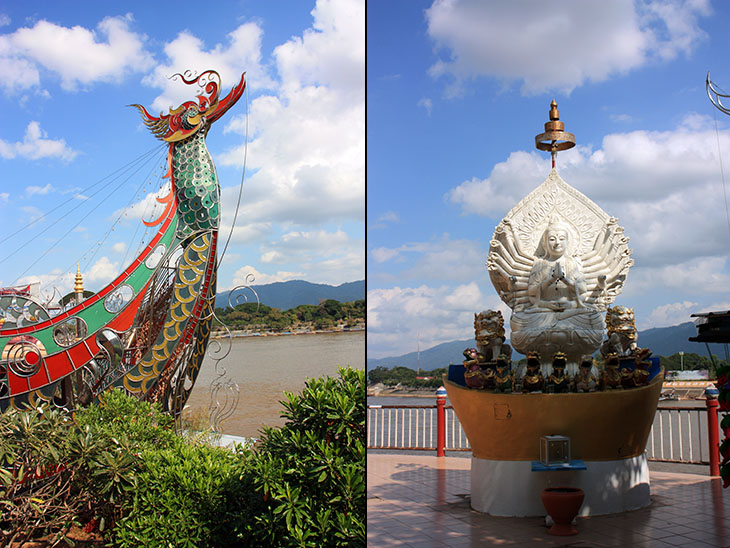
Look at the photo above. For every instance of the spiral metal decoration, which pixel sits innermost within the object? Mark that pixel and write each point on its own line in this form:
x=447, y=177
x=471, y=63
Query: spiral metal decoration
x=24, y=355
x=224, y=393
x=716, y=95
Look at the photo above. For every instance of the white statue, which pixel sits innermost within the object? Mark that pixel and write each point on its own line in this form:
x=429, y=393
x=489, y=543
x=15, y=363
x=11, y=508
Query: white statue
x=558, y=261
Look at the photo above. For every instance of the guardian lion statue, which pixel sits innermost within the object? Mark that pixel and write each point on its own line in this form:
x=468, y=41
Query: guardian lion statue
x=489, y=334
x=621, y=329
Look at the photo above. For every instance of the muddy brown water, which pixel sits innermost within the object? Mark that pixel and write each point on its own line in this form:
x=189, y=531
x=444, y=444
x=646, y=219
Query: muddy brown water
x=265, y=367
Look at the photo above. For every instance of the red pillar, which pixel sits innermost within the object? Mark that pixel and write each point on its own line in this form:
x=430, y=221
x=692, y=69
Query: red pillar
x=713, y=431
x=441, y=422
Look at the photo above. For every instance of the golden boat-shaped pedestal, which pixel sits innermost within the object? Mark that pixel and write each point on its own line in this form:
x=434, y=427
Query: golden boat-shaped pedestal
x=607, y=425
x=608, y=430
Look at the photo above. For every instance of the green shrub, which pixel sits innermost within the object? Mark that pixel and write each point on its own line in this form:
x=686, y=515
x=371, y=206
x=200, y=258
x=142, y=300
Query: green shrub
x=306, y=480
x=118, y=415
x=121, y=463
x=59, y=469
x=37, y=496
x=185, y=494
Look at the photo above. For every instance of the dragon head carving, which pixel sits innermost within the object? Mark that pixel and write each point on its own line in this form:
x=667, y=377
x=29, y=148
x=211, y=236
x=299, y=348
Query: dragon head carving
x=192, y=116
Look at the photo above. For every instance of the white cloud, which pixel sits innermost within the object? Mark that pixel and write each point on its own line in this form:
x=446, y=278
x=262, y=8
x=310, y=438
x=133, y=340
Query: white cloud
x=4, y=196
x=242, y=52
x=399, y=316
x=385, y=219
x=442, y=259
x=390, y=217
x=696, y=277
x=36, y=145
x=95, y=278
x=715, y=306
x=671, y=314
x=119, y=247
x=331, y=53
x=298, y=245
x=56, y=278
x=326, y=257
x=384, y=254
x=621, y=118
x=148, y=208
x=646, y=179
x=427, y=104
x=32, y=213
x=248, y=275
x=307, y=149
x=508, y=40
x=312, y=175
x=4, y=20
x=79, y=56
x=33, y=190
x=347, y=266
x=24, y=73
x=101, y=272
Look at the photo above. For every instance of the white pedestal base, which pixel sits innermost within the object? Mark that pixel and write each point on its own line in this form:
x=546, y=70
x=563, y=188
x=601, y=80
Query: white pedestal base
x=511, y=488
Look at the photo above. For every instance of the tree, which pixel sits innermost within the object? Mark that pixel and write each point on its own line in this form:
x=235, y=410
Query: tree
x=332, y=308
x=378, y=374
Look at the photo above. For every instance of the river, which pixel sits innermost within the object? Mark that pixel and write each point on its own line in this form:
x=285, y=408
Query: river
x=266, y=367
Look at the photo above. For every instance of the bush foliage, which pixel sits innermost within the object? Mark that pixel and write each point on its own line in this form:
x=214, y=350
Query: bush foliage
x=119, y=467
x=308, y=477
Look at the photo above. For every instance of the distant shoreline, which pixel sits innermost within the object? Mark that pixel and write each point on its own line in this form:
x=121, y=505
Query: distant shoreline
x=242, y=333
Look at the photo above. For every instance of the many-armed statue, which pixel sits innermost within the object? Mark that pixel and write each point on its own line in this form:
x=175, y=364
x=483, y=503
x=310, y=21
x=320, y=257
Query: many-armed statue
x=558, y=260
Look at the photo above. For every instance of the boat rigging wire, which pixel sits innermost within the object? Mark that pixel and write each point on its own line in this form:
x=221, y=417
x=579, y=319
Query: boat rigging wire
x=121, y=214
x=722, y=173
x=149, y=213
x=141, y=161
x=240, y=187
x=718, y=92
x=73, y=197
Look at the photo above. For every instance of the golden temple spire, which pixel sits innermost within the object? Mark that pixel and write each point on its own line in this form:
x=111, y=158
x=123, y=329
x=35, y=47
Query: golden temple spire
x=555, y=137
x=79, y=283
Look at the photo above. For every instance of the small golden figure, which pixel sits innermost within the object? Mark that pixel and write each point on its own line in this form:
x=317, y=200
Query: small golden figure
x=641, y=368
x=558, y=380
x=611, y=378
x=503, y=378
x=473, y=376
x=585, y=380
x=533, y=381
x=627, y=378
x=488, y=374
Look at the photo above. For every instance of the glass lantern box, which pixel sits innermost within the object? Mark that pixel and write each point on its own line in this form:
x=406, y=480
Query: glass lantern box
x=554, y=450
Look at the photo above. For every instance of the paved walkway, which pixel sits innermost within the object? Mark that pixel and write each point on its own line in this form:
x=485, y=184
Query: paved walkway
x=423, y=502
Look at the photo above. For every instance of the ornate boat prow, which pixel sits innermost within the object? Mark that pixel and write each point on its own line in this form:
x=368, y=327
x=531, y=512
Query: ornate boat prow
x=148, y=329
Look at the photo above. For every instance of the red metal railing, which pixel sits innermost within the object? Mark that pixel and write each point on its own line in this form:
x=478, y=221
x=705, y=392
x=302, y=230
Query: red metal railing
x=714, y=430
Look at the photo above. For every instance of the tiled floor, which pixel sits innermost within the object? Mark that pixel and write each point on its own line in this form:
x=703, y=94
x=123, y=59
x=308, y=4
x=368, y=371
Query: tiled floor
x=423, y=502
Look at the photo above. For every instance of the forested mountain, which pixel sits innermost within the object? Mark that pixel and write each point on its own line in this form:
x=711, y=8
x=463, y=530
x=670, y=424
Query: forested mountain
x=286, y=295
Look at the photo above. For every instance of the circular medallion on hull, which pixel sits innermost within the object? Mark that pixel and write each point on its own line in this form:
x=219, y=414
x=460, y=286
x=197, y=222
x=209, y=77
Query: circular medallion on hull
x=24, y=355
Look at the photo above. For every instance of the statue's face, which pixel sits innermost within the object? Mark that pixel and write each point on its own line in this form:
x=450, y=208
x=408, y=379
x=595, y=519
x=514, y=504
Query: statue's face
x=557, y=242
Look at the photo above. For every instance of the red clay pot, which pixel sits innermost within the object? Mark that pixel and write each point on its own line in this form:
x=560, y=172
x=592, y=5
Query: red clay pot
x=562, y=504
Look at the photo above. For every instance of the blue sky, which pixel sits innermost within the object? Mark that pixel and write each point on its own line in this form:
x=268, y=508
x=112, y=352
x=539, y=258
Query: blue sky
x=69, y=70
x=456, y=92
